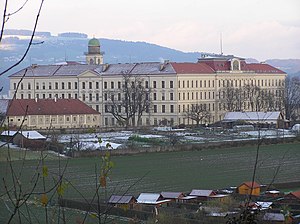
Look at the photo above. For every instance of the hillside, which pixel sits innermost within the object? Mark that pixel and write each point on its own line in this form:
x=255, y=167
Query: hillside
x=71, y=47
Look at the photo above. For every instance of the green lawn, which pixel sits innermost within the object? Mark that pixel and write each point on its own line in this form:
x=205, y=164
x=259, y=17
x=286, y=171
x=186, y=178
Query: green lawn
x=168, y=171
x=149, y=172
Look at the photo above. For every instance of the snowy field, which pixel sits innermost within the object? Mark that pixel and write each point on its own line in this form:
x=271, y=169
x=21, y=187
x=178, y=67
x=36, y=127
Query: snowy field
x=119, y=139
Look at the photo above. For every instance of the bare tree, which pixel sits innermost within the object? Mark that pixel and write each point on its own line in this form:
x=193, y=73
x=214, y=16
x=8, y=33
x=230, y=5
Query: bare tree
x=130, y=103
x=291, y=98
x=198, y=113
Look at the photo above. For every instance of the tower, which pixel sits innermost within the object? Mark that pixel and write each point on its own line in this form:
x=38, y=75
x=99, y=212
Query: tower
x=94, y=56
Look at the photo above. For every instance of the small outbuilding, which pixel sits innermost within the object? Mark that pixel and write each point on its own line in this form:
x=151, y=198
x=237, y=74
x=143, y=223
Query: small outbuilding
x=123, y=201
x=151, y=199
x=174, y=196
x=202, y=195
x=292, y=197
x=29, y=139
x=248, y=188
x=276, y=218
x=7, y=136
x=270, y=119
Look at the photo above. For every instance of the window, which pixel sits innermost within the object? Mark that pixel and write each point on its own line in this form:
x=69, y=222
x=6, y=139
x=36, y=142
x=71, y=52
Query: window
x=44, y=96
x=44, y=85
x=163, y=108
x=29, y=85
x=112, y=97
x=90, y=85
x=105, y=96
x=62, y=96
x=29, y=96
x=83, y=85
x=15, y=85
x=119, y=85
x=90, y=97
x=172, y=108
x=106, y=108
x=155, y=108
x=119, y=108
x=182, y=84
x=50, y=85
x=50, y=96
x=37, y=85
x=75, y=96
x=97, y=96
x=106, y=121
x=22, y=86
x=154, y=84
x=105, y=85
x=62, y=85
x=154, y=96
x=76, y=85
x=112, y=85
x=56, y=85
x=83, y=97
x=37, y=96
x=119, y=96
x=171, y=96
x=178, y=84
x=146, y=84
x=97, y=85
x=163, y=97
x=163, y=84
x=171, y=84
x=22, y=96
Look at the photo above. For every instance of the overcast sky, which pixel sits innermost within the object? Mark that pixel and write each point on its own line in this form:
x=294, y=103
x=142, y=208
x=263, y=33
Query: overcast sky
x=261, y=29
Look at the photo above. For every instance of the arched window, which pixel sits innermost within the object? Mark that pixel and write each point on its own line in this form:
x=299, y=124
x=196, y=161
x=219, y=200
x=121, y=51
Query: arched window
x=235, y=65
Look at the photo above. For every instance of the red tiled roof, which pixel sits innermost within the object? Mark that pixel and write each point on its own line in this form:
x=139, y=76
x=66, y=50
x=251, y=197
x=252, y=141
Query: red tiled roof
x=249, y=184
x=192, y=68
x=49, y=107
x=296, y=194
x=261, y=68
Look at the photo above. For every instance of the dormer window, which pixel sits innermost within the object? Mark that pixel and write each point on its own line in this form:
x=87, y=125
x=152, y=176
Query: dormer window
x=235, y=65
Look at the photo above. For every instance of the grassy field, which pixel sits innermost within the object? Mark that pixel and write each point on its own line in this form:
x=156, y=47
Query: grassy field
x=169, y=171
x=149, y=172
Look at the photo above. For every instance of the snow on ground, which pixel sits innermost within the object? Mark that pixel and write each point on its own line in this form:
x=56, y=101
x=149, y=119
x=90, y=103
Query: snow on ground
x=280, y=133
x=97, y=145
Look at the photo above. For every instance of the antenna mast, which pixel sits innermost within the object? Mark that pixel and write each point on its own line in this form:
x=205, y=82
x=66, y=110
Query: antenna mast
x=221, y=44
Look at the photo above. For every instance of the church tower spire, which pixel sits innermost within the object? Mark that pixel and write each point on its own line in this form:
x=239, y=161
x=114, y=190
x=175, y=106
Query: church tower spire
x=94, y=56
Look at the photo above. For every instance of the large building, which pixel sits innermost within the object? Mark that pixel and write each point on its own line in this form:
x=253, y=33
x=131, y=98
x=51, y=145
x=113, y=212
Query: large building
x=173, y=87
x=50, y=113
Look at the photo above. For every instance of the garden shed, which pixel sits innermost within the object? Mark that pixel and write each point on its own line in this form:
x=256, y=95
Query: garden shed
x=245, y=188
x=123, y=201
x=151, y=199
x=202, y=194
x=29, y=139
x=270, y=119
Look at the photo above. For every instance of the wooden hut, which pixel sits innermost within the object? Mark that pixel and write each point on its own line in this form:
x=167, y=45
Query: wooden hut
x=248, y=188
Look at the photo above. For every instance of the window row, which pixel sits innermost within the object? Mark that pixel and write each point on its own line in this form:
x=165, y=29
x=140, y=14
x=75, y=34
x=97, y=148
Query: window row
x=196, y=96
x=119, y=85
x=203, y=106
x=60, y=85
